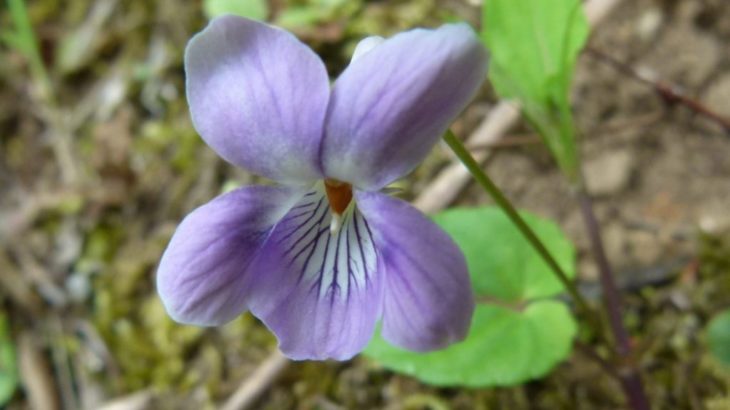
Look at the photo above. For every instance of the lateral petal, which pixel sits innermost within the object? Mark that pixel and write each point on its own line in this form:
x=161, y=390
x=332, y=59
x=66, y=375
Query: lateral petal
x=428, y=301
x=203, y=277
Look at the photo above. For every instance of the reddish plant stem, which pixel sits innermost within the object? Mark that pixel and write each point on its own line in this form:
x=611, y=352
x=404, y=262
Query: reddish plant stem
x=627, y=370
x=670, y=93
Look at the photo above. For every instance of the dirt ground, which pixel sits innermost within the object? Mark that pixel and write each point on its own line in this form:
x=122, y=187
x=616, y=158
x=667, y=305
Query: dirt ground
x=80, y=238
x=660, y=173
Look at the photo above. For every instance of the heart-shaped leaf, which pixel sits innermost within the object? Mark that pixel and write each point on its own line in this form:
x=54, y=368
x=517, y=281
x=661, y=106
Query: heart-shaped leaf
x=8, y=363
x=718, y=337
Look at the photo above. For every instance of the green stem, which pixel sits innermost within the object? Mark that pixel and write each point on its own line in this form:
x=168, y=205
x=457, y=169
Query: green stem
x=481, y=177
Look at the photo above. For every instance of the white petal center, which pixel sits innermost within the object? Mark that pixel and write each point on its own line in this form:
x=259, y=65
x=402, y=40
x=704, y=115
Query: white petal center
x=334, y=254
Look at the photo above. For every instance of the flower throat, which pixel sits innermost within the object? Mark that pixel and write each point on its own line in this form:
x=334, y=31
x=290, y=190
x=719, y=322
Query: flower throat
x=339, y=195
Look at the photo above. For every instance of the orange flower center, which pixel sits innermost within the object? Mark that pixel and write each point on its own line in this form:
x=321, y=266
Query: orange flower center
x=339, y=195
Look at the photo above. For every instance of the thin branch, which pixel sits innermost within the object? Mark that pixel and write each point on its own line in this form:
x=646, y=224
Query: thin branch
x=35, y=374
x=669, y=92
x=136, y=401
x=507, y=142
x=519, y=140
x=246, y=394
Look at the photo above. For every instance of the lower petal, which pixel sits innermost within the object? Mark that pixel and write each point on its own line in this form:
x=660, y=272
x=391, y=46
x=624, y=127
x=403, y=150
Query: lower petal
x=428, y=301
x=203, y=275
x=321, y=291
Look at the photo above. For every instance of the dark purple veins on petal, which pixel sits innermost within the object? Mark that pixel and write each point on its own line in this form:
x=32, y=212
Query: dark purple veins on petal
x=332, y=265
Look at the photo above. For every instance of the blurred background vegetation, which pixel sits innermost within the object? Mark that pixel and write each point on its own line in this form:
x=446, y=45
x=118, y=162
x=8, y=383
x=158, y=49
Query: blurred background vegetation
x=99, y=162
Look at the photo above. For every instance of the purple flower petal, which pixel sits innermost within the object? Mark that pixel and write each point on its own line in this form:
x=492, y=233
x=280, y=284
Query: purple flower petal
x=365, y=46
x=428, y=301
x=258, y=97
x=394, y=102
x=203, y=277
x=320, y=293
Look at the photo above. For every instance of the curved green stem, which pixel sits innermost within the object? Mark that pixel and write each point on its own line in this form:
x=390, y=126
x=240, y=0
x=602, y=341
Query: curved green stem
x=481, y=177
x=630, y=381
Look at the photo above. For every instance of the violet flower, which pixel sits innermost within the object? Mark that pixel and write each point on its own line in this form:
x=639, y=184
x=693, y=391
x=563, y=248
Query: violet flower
x=323, y=256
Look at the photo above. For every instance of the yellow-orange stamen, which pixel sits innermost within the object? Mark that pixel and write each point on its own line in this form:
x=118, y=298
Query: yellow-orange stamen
x=339, y=195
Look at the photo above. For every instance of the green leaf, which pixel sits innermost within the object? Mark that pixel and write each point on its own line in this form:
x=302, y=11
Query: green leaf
x=253, y=9
x=504, y=347
x=502, y=264
x=299, y=17
x=24, y=36
x=718, y=337
x=312, y=12
x=12, y=40
x=516, y=335
x=534, y=45
x=8, y=365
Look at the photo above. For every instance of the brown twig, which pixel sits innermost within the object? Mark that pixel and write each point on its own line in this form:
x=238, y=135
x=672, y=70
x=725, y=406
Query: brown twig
x=451, y=180
x=137, y=401
x=614, y=127
x=64, y=377
x=257, y=383
x=508, y=141
x=18, y=288
x=670, y=93
x=38, y=275
x=36, y=375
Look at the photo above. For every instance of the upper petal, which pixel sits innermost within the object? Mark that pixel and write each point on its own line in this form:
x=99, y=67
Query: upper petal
x=428, y=301
x=393, y=102
x=366, y=45
x=319, y=292
x=258, y=97
x=202, y=277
